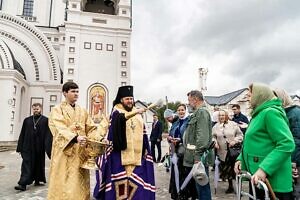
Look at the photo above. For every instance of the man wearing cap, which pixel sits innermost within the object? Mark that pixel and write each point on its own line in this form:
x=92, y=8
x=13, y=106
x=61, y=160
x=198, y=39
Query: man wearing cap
x=127, y=168
x=170, y=116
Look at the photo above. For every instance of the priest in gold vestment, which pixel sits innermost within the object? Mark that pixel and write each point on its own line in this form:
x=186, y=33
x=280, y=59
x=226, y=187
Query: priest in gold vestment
x=71, y=126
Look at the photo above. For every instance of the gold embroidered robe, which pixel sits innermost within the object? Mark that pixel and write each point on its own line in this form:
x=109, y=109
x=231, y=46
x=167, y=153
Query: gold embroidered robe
x=131, y=156
x=67, y=181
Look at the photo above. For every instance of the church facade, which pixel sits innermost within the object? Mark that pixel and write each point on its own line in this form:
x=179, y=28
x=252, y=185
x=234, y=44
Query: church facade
x=46, y=43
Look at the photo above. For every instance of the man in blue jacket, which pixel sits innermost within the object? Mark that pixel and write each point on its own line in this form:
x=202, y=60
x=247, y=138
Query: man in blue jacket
x=156, y=138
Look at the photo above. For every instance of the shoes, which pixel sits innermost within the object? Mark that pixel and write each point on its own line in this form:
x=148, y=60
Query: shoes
x=20, y=187
x=229, y=190
x=181, y=196
x=38, y=184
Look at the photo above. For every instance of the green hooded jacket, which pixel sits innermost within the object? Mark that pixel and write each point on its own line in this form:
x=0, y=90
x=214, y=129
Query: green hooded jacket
x=268, y=144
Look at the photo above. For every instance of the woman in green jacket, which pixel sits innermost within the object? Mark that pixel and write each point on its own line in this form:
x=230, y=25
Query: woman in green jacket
x=268, y=143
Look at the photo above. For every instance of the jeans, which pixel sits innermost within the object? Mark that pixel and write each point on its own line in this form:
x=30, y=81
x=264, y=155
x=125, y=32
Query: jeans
x=297, y=186
x=204, y=192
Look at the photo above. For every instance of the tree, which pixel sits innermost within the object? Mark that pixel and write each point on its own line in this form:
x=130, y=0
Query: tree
x=160, y=113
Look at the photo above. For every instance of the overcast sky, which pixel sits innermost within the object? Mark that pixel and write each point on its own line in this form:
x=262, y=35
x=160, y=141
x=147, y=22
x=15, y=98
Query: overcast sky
x=238, y=41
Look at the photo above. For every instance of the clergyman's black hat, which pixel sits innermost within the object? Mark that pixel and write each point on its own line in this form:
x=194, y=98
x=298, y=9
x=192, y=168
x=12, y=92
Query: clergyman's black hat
x=123, y=91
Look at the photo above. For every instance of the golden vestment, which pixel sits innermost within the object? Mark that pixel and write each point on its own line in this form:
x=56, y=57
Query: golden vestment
x=67, y=181
x=131, y=156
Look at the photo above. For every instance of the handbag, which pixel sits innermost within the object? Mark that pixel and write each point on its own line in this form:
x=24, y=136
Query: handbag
x=180, y=150
x=234, y=151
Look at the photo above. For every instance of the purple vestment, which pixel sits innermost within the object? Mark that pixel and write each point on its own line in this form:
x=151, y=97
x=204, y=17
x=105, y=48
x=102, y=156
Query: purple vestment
x=112, y=180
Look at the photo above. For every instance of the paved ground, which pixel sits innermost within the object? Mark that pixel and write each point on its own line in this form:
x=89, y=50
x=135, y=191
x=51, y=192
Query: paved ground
x=10, y=173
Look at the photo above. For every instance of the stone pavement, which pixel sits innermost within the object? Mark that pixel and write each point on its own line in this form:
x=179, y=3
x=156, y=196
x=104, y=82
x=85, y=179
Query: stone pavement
x=10, y=173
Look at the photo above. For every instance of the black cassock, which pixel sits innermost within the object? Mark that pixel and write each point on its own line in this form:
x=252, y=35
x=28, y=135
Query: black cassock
x=34, y=141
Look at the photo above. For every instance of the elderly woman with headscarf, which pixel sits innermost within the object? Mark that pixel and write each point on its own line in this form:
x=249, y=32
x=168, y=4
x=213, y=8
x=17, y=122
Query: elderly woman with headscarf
x=268, y=143
x=293, y=114
x=226, y=134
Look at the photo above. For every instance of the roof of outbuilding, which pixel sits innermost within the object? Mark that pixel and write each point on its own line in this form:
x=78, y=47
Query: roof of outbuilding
x=295, y=96
x=223, y=99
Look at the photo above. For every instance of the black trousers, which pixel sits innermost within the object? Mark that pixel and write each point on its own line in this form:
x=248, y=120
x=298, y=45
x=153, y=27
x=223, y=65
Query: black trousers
x=158, y=145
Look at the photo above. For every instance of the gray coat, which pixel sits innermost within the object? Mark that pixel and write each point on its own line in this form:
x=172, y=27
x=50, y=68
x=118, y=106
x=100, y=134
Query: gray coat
x=197, y=137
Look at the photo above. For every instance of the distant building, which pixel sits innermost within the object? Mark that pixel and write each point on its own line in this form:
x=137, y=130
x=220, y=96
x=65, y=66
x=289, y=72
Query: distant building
x=147, y=116
x=46, y=43
x=296, y=99
x=227, y=100
x=236, y=97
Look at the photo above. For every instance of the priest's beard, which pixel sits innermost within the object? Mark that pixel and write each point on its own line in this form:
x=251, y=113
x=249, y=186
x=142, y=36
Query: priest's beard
x=128, y=108
x=37, y=114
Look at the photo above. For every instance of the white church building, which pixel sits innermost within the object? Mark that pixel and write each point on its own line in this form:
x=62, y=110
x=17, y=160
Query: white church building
x=44, y=43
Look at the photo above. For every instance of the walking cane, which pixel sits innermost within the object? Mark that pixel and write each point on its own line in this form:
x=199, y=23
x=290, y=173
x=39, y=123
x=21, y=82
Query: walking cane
x=271, y=190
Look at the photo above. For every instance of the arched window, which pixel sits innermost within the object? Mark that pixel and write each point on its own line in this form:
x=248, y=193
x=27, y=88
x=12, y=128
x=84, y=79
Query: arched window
x=28, y=8
x=99, y=6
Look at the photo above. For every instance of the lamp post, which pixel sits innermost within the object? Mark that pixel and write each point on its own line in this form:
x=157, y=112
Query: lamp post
x=167, y=102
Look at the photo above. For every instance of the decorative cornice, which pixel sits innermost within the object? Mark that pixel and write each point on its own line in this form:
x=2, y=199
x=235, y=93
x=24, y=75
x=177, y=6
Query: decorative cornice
x=24, y=45
x=9, y=74
x=6, y=57
x=55, y=72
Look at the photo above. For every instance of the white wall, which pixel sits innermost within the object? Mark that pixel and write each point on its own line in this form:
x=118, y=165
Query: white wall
x=13, y=7
x=97, y=66
x=10, y=102
x=147, y=117
x=41, y=10
x=91, y=66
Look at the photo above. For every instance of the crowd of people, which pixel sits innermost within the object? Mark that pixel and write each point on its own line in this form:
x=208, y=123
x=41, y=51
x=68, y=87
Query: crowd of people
x=267, y=146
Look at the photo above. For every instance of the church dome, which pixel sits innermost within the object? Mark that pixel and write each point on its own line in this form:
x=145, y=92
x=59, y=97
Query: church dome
x=16, y=64
x=8, y=60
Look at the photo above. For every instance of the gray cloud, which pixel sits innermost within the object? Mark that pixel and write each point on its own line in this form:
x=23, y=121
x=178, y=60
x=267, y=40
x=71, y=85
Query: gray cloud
x=239, y=41
x=229, y=26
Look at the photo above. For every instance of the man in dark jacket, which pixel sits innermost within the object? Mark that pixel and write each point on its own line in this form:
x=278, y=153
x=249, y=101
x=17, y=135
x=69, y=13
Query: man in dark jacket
x=156, y=138
x=35, y=139
x=239, y=118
